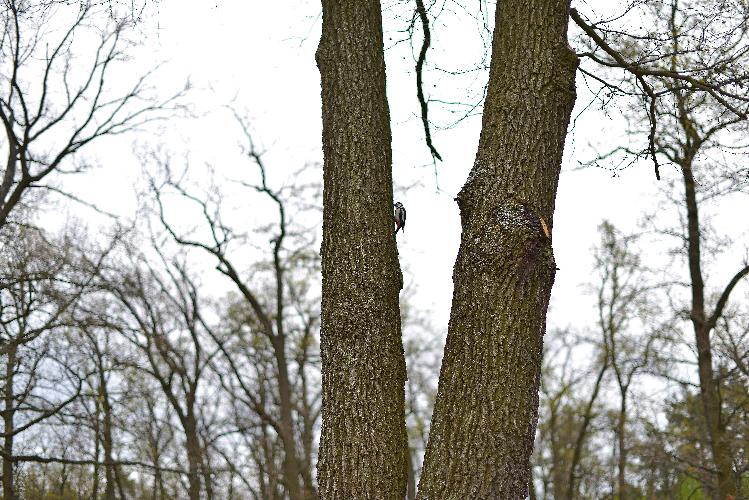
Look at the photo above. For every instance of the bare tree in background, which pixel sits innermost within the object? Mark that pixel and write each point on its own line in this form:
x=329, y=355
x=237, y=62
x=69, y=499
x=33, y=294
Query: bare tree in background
x=153, y=436
x=59, y=92
x=280, y=389
x=691, y=70
x=624, y=299
x=558, y=415
x=41, y=283
x=698, y=48
x=160, y=316
x=574, y=418
x=422, y=349
x=104, y=412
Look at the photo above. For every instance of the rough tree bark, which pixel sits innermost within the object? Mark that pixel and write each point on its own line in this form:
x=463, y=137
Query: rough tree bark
x=486, y=409
x=363, y=443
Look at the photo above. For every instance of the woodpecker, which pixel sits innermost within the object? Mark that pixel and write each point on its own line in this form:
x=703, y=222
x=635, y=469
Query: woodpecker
x=399, y=217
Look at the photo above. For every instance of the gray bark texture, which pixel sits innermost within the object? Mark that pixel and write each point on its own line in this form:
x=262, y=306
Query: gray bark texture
x=363, y=444
x=486, y=410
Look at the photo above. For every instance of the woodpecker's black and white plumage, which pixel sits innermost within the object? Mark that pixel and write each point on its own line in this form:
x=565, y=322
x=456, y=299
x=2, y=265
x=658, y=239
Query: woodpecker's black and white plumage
x=399, y=217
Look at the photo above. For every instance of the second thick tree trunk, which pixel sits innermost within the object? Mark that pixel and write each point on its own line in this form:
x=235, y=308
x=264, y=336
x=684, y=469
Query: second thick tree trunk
x=363, y=445
x=486, y=409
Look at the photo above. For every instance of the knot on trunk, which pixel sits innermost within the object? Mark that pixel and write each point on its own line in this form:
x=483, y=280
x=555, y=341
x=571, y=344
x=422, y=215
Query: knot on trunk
x=564, y=80
x=518, y=218
x=529, y=238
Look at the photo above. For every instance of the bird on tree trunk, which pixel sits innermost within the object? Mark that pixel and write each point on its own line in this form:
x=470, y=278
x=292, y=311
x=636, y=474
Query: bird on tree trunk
x=399, y=217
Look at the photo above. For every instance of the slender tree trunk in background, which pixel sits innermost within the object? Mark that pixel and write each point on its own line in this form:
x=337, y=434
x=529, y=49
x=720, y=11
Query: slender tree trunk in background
x=558, y=477
x=582, y=433
x=363, y=443
x=622, y=463
x=63, y=480
x=308, y=423
x=295, y=486
x=207, y=477
x=8, y=410
x=290, y=465
x=118, y=480
x=487, y=405
x=159, y=489
x=97, y=450
x=621, y=424
x=709, y=390
x=109, y=491
x=194, y=456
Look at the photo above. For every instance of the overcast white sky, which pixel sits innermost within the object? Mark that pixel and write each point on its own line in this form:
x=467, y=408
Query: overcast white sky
x=261, y=55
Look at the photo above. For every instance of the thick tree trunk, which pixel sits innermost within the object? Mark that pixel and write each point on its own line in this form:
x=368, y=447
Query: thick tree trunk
x=363, y=445
x=8, y=411
x=486, y=410
x=719, y=445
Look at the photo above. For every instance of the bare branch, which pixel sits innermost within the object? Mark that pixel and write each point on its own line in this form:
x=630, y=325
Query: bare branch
x=724, y=297
x=420, y=79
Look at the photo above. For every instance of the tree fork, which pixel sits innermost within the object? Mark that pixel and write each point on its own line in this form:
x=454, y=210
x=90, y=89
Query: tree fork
x=487, y=404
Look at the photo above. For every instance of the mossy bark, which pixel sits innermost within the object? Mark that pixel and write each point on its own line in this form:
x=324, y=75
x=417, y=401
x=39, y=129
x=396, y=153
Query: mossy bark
x=363, y=443
x=487, y=404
